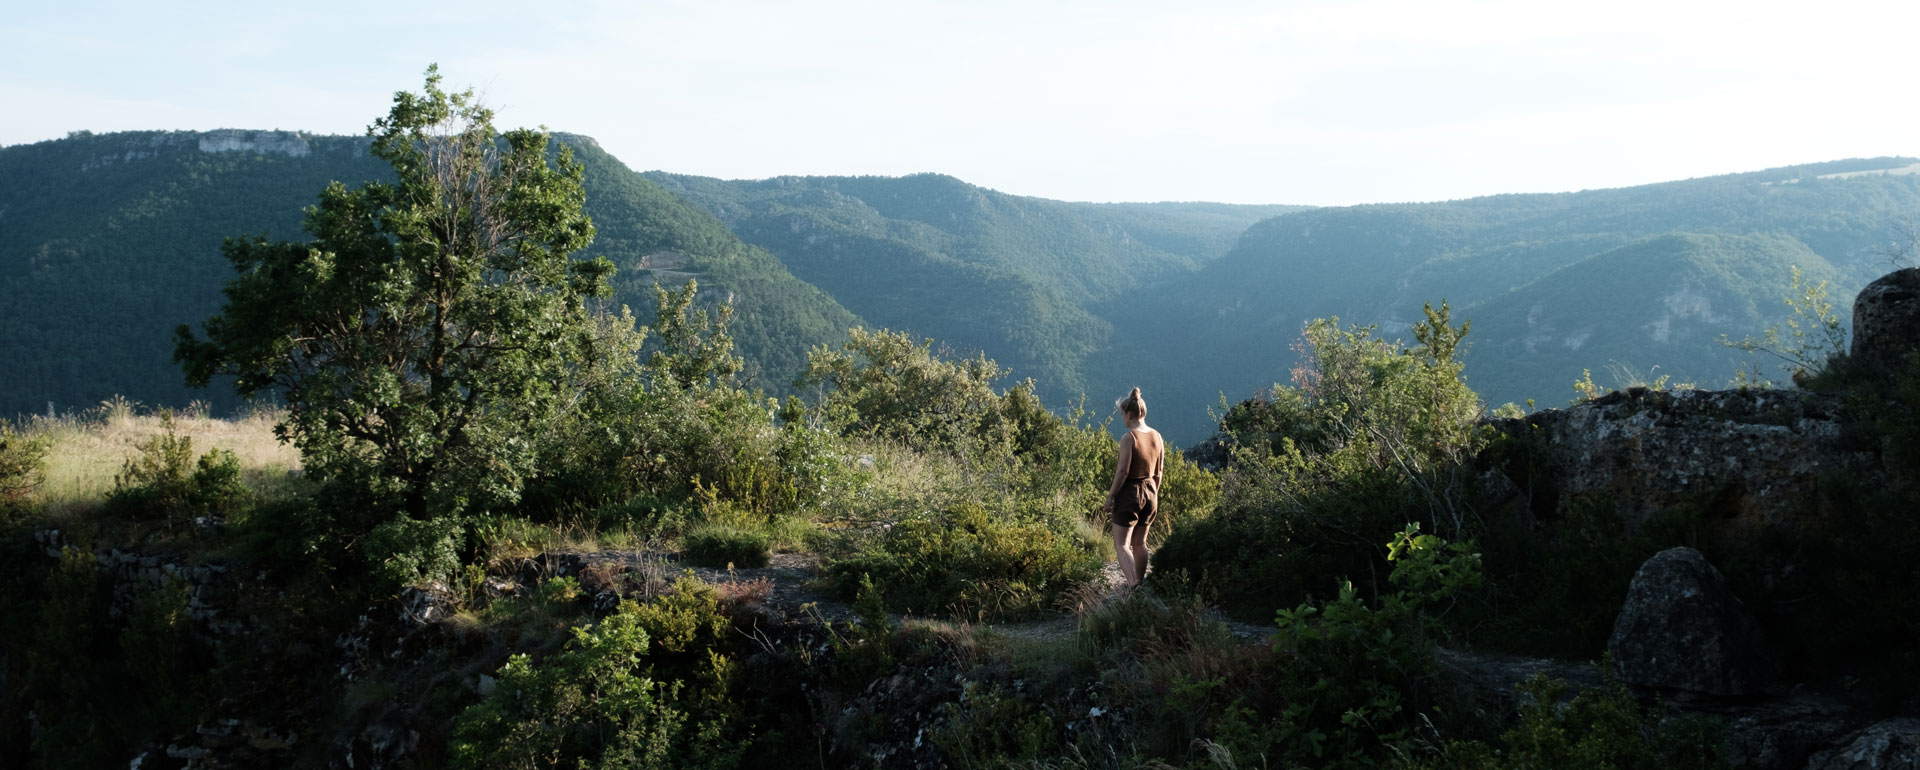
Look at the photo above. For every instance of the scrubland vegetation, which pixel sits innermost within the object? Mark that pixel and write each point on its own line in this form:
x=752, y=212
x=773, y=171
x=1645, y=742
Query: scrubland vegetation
x=1343, y=517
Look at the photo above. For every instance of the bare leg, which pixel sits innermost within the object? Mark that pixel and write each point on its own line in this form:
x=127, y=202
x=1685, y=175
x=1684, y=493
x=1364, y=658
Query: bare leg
x=1139, y=543
x=1122, y=549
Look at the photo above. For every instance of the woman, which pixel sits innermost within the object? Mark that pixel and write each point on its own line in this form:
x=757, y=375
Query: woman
x=1135, y=495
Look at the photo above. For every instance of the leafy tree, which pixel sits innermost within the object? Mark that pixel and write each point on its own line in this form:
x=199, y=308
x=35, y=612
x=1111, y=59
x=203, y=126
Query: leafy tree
x=695, y=348
x=883, y=384
x=422, y=331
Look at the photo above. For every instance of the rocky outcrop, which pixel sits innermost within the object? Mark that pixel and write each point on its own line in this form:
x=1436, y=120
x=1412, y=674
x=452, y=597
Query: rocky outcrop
x=1681, y=630
x=1886, y=321
x=1890, y=745
x=1746, y=459
x=266, y=142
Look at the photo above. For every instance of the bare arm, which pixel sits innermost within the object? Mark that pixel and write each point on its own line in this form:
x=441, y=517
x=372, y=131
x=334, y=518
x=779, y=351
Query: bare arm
x=1121, y=467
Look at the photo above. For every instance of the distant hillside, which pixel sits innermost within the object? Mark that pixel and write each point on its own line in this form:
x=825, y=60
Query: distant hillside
x=109, y=241
x=1668, y=302
x=1592, y=263
x=1015, y=277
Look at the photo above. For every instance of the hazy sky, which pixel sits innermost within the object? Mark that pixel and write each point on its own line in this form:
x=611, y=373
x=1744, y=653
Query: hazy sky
x=1257, y=102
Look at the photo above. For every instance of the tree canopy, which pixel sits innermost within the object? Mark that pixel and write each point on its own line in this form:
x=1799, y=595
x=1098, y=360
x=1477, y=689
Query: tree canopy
x=429, y=318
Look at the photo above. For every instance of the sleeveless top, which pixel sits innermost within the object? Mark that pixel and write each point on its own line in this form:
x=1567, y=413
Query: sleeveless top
x=1139, y=496
x=1146, y=456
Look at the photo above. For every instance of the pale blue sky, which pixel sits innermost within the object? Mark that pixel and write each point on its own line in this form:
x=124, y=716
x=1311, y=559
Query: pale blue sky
x=1252, y=102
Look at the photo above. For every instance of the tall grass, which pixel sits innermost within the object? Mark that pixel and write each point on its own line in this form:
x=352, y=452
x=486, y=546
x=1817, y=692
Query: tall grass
x=89, y=449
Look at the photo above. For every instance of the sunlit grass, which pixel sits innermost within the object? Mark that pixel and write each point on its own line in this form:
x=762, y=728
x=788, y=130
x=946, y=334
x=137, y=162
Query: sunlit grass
x=87, y=451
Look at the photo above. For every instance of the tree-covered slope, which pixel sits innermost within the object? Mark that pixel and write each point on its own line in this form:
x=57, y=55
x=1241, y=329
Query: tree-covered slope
x=1669, y=301
x=1019, y=278
x=647, y=230
x=1227, y=328
x=107, y=242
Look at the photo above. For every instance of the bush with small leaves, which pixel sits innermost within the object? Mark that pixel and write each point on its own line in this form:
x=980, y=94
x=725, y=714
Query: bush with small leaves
x=22, y=468
x=1599, y=727
x=968, y=563
x=723, y=546
x=645, y=687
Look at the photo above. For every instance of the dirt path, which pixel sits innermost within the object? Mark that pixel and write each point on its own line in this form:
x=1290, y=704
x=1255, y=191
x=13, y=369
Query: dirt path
x=794, y=586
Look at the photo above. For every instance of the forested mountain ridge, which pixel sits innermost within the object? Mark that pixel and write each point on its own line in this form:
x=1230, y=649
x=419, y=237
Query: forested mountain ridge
x=1598, y=265
x=1017, y=277
x=107, y=242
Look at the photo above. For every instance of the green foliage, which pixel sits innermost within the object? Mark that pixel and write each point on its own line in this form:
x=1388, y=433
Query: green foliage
x=23, y=461
x=884, y=385
x=1601, y=727
x=1812, y=338
x=559, y=593
x=75, y=729
x=968, y=563
x=1357, y=678
x=695, y=349
x=724, y=546
x=642, y=688
x=419, y=335
x=1372, y=434
x=991, y=727
x=158, y=649
x=1560, y=596
x=164, y=481
x=644, y=446
x=402, y=551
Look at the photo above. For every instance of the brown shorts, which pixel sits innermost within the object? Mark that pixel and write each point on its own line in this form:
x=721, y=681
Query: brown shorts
x=1137, y=502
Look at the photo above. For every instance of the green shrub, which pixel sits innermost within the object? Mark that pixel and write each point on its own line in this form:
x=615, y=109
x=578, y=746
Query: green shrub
x=1600, y=727
x=22, y=469
x=158, y=648
x=644, y=515
x=1358, y=680
x=405, y=551
x=560, y=593
x=968, y=563
x=646, y=441
x=723, y=546
x=882, y=384
x=643, y=688
x=163, y=480
x=1372, y=434
x=991, y=727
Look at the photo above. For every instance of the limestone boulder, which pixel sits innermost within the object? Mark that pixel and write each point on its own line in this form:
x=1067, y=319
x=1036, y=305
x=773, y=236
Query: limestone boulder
x=1748, y=460
x=1886, y=320
x=1890, y=745
x=1681, y=630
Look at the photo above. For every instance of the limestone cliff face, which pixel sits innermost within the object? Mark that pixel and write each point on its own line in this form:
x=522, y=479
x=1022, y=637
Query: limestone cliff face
x=1747, y=459
x=137, y=146
x=265, y=142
